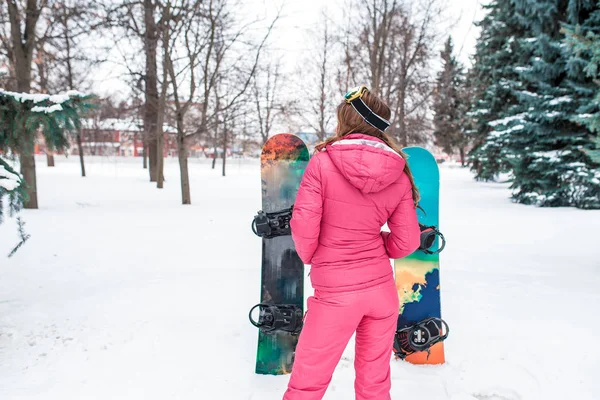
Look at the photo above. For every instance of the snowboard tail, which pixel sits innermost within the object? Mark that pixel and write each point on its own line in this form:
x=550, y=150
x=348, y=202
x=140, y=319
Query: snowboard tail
x=418, y=275
x=283, y=160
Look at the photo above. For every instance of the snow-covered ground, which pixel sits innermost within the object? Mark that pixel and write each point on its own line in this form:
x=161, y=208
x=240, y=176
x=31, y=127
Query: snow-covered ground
x=123, y=293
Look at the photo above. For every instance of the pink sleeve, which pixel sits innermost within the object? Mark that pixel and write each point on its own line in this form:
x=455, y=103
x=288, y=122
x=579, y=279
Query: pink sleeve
x=308, y=208
x=405, y=235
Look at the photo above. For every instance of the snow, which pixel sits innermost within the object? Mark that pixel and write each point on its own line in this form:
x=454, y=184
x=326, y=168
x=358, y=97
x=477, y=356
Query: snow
x=551, y=155
x=47, y=110
x=38, y=97
x=509, y=130
x=553, y=114
x=586, y=116
x=9, y=180
x=22, y=97
x=75, y=93
x=559, y=100
x=123, y=293
x=509, y=41
x=507, y=120
x=481, y=111
x=59, y=98
x=504, y=83
x=523, y=69
x=528, y=93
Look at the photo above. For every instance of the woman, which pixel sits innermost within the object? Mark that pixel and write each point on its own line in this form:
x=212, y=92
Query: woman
x=356, y=182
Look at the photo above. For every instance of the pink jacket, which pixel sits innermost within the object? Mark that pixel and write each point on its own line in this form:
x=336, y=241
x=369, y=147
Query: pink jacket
x=347, y=194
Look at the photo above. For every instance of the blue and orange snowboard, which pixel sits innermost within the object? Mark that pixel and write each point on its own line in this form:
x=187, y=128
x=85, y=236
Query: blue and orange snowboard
x=418, y=275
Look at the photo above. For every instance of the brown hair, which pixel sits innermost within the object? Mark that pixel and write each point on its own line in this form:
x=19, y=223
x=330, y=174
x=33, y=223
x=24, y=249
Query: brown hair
x=350, y=121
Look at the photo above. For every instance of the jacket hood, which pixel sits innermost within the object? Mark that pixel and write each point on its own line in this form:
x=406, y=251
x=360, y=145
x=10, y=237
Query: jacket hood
x=366, y=162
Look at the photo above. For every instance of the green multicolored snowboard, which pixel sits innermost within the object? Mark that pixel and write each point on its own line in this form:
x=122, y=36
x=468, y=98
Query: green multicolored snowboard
x=283, y=160
x=418, y=275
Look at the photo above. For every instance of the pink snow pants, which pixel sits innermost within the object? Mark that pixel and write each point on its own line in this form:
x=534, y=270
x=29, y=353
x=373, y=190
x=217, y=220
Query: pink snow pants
x=330, y=321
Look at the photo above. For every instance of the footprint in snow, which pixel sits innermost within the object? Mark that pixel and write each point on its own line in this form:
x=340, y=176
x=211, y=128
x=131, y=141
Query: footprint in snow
x=497, y=394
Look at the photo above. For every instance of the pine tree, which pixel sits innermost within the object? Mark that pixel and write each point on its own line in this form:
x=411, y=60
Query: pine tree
x=584, y=42
x=493, y=82
x=12, y=188
x=22, y=116
x=549, y=166
x=448, y=104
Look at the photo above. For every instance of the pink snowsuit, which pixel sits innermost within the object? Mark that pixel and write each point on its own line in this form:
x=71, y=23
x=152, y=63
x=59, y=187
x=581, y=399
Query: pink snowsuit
x=347, y=194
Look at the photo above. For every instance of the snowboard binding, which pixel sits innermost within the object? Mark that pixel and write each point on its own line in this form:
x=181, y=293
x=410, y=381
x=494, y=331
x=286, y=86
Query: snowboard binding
x=270, y=225
x=278, y=317
x=428, y=235
x=420, y=337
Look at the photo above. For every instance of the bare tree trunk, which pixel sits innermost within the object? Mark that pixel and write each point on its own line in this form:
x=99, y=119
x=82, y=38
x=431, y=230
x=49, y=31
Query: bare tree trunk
x=381, y=18
x=322, y=86
x=80, y=148
x=162, y=105
x=160, y=161
x=145, y=155
x=317, y=110
x=261, y=126
x=224, y=145
x=462, y=156
x=28, y=171
x=215, y=148
x=43, y=81
x=72, y=85
x=346, y=76
x=152, y=153
x=160, y=145
x=321, y=105
x=402, y=119
x=217, y=113
x=397, y=42
x=49, y=158
x=151, y=88
x=186, y=197
x=180, y=109
x=22, y=43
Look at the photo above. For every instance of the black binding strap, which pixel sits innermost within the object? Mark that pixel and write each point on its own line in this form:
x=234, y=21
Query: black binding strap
x=278, y=317
x=270, y=225
x=420, y=337
x=428, y=236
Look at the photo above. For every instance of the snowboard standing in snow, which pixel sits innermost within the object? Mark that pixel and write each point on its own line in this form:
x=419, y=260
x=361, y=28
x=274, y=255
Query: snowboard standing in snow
x=418, y=275
x=283, y=160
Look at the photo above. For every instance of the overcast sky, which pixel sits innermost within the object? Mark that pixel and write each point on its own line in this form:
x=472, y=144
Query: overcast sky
x=299, y=16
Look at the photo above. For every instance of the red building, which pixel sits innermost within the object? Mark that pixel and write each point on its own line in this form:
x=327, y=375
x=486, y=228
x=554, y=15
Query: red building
x=119, y=137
